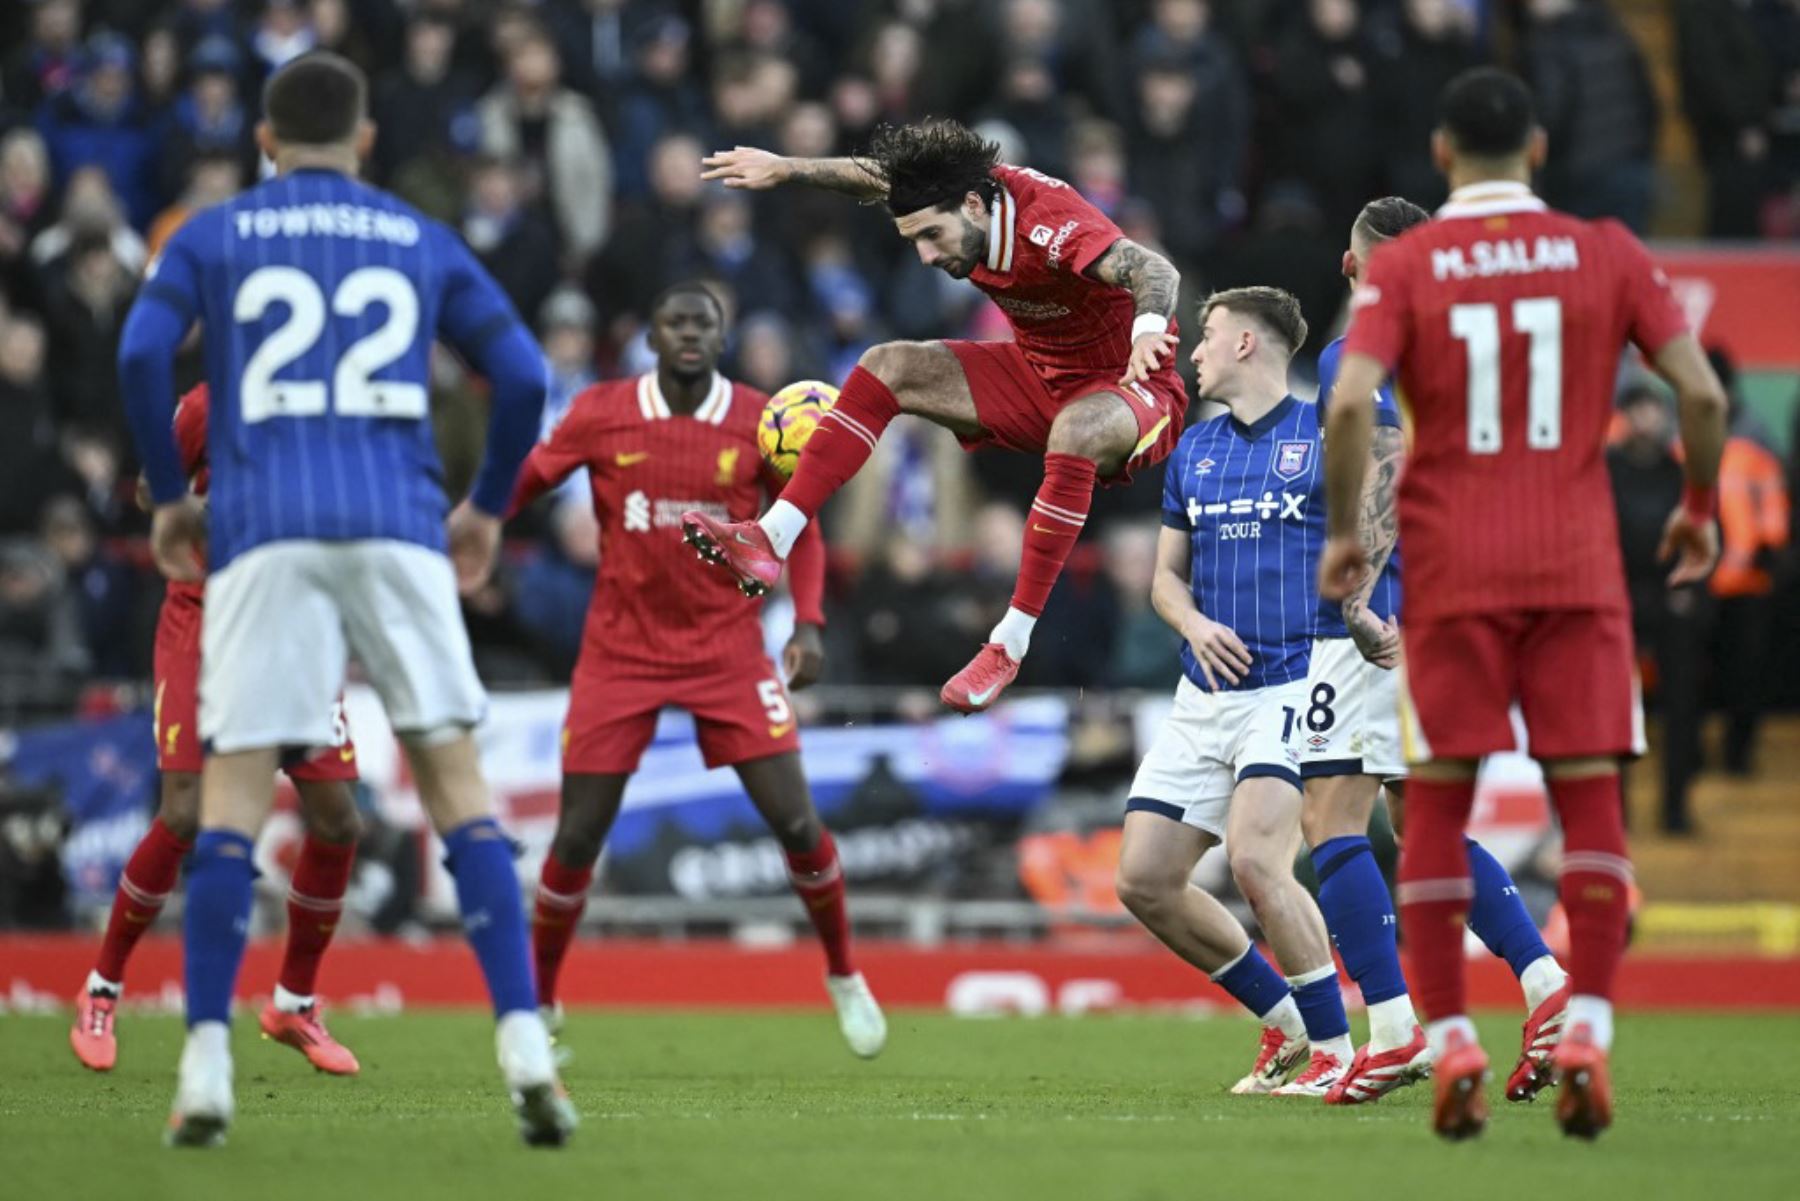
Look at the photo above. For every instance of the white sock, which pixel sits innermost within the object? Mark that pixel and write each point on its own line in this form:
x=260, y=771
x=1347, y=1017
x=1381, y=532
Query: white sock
x=1439, y=1032
x=783, y=523
x=522, y=1045
x=1340, y=1048
x=1541, y=977
x=1286, y=1018
x=96, y=983
x=1014, y=633
x=289, y=1002
x=207, y=1040
x=1391, y=1023
x=1596, y=1013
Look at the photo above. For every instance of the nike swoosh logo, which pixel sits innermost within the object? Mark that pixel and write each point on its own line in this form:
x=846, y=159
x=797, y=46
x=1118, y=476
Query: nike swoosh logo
x=780, y=730
x=629, y=460
x=746, y=541
x=1040, y=529
x=982, y=697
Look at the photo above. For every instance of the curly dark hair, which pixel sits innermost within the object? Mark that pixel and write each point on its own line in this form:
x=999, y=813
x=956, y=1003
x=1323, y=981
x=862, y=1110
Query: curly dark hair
x=933, y=164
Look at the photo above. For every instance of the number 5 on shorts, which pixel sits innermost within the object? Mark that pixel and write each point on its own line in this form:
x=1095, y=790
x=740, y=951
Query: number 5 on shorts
x=775, y=705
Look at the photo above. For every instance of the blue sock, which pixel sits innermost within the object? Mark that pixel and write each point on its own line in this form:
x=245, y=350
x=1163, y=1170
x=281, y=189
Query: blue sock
x=1256, y=986
x=1498, y=915
x=1357, y=908
x=216, y=922
x=487, y=891
x=1321, y=1005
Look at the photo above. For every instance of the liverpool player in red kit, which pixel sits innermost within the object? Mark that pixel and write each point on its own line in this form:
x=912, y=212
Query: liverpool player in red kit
x=683, y=438
x=1089, y=381
x=1503, y=322
x=321, y=876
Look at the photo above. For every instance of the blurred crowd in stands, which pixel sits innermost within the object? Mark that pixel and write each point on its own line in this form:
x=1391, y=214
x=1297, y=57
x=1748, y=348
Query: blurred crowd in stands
x=564, y=138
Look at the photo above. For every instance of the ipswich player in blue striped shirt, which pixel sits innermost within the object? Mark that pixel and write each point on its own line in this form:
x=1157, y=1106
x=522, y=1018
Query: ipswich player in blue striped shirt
x=319, y=298
x=1243, y=524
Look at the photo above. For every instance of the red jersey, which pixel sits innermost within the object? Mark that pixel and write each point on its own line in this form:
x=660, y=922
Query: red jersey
x=190, y=439
x=646, y=466
x=1042, y=235
x=1503, y=322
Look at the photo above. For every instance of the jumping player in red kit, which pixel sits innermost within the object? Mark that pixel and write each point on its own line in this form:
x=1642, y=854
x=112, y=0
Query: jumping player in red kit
x=321, y=875
x=1089, y=381
x=681, y=438
x=1503, y=322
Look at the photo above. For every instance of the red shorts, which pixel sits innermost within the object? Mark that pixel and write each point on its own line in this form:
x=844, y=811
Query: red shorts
x=1016, y=408
x=741, y=712
x=177, y=715
x=1570, y=671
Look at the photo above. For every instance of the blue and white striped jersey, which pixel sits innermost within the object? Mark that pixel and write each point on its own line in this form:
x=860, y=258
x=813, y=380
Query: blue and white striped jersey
x=1384, y=601
x=1252, y=499
x=320, y=298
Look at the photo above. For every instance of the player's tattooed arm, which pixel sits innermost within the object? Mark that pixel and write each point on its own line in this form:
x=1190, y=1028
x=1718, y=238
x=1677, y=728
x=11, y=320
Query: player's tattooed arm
x=1150, y=278
x=1154, y=284
x=751, y=169
x=1378, y=527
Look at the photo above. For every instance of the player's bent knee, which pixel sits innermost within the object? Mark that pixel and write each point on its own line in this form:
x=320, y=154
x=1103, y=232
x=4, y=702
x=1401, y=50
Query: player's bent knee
x=1145, y=893
x=178, y=809
x=330, y=812
x=1255, y=873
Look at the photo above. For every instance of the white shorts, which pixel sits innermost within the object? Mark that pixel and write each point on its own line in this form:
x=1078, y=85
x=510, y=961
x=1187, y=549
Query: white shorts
x=1350, y=725
x=283, y=619
x=1212, y=740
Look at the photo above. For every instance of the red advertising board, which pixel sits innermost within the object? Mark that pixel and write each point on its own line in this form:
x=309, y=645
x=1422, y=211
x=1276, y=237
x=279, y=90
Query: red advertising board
x=1746, y=299
x=966, y=978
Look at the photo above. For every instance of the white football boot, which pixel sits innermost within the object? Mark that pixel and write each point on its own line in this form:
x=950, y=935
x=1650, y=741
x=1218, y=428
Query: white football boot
x=859, y=1017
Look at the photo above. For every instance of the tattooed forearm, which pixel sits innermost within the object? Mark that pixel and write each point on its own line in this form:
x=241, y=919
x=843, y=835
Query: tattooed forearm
x=846, y=175
x=1378, y=520
x=1150, y=278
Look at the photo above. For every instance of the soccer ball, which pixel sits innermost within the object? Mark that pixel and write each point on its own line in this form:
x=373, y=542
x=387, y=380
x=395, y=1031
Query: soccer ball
x=789, y=419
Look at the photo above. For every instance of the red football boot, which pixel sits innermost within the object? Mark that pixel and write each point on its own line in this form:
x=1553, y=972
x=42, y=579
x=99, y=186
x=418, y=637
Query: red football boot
x=1543, y=1030
x=980, y=684
x=1584, y=1103
x=1460, y=1110
x=306, y=1033
x=740, y=547
x=1374, y=1075
x=1276, y=1056
x=92, y=1034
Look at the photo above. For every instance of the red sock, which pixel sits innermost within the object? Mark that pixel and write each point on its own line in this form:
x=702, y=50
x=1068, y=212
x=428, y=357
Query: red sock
x=561, y=897
x=850, y=429
x=144, y=885
x=818, y=878
x=1596, y=879
x=1051, y=528
x=315, y=902
x=1434, y=893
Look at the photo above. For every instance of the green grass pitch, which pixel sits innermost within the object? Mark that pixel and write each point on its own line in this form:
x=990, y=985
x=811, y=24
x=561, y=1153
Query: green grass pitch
x=748, y=1106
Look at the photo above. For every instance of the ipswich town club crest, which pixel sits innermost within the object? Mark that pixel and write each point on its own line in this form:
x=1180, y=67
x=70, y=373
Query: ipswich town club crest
x=1291, y=458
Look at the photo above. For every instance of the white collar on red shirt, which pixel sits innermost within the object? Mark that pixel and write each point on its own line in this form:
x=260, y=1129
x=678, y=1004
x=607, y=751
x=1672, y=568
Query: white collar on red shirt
x=1001, y=223
x=1491, y=199
x=712, y=410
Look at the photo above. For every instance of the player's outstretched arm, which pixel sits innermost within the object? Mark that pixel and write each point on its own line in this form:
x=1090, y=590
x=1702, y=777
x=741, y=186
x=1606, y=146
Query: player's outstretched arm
x=1220, y=652
x=1691, y=538
x=756, y=170
x=1154, y=285
x=1378, y=528
x=1349, y=435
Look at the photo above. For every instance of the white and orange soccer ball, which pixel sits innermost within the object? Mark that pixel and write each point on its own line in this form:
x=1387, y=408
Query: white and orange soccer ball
x=789, y=419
